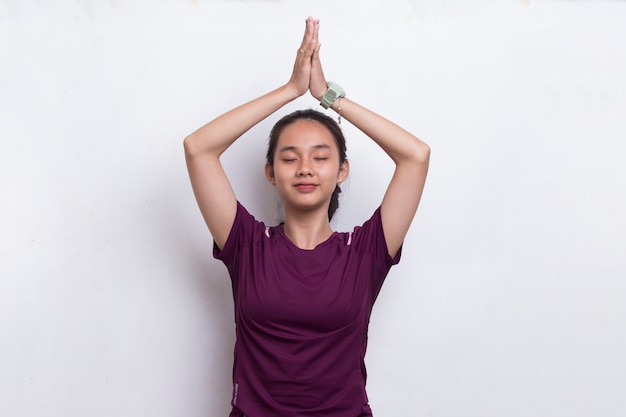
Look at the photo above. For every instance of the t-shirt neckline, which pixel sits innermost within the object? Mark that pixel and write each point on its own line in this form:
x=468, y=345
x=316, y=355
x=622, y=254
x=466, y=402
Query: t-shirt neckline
x=283, y=235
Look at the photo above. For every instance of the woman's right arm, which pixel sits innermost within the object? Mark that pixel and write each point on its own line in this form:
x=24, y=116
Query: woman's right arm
x=204, y=147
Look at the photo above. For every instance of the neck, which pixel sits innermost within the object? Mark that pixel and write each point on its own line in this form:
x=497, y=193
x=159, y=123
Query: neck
x=307, y=230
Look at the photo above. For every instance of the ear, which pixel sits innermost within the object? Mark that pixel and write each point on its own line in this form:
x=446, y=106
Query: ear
x=269, y=174
x=344, y=170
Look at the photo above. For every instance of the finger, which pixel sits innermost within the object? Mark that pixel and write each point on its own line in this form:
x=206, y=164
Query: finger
x=316, y=53
x=306, y=30
x=307, y=34
x=309, y=40
x=316, y=42
x=316, y=31
x=315, y=57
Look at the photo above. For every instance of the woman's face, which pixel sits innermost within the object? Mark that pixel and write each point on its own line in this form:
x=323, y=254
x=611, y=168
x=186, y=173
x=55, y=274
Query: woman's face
x=306, y=166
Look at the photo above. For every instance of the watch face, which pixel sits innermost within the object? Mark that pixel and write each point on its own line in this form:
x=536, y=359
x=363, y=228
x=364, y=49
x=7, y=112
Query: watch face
x=334, y=92
x=336, y=89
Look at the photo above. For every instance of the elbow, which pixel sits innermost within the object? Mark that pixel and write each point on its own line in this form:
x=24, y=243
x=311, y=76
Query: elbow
x=197, y=144
x=192, y=146
x=415, y=153
x=420, y=153
x=423, y=153
x=188, y=144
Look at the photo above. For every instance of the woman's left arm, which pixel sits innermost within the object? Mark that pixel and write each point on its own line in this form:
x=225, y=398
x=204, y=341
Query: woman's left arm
x=411, y=157
x=410, y=154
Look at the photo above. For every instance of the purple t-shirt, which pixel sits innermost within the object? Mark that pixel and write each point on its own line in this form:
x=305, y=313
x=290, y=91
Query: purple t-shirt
x=302, y=317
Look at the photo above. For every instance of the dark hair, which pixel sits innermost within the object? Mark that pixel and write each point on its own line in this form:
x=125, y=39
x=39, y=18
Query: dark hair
x=326, y=121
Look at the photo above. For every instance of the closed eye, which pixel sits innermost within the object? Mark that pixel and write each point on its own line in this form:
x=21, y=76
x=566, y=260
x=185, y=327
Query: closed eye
x=321, y=158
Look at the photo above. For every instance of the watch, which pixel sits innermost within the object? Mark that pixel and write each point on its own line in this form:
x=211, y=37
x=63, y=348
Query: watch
x=334, y=92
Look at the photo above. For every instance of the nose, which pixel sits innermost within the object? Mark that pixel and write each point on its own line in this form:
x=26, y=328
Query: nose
x=304, y=169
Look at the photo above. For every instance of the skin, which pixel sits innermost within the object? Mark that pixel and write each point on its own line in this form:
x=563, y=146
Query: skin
x=306, y=220
x=306, y=170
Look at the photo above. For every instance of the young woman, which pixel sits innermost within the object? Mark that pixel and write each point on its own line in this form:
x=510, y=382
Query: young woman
x=304, y=293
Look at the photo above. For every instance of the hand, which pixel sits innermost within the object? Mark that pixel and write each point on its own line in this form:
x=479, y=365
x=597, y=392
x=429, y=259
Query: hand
x=317, y=84
x=302, y=69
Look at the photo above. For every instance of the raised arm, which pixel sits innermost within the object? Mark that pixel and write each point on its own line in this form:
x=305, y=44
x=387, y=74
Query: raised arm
x=204, y=147
x=410, y=155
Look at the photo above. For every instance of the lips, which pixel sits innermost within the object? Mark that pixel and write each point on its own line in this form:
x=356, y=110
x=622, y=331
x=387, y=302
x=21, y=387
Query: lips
x=305, y=187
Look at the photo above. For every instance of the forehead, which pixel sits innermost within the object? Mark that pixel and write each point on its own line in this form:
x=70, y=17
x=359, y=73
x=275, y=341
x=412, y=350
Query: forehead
x=305, y=134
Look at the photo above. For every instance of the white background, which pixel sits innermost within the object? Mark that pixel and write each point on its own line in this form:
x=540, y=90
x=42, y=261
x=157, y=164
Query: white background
x=509, y=300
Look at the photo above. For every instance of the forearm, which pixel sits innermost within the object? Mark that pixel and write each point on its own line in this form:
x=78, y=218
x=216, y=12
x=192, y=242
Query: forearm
x=398, y=143
x=217, y=135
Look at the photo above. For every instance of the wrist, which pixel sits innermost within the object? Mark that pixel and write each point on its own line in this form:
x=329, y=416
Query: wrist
x=333, y=93
x=290, y=91
x=318, y=94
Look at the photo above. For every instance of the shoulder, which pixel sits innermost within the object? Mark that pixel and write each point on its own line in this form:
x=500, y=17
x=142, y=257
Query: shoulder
x=370, y=237
x=246, y=230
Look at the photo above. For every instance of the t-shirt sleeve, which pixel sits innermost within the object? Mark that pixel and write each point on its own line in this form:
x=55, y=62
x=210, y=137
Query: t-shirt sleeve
x=241, y=235
x=369, y=241
x=370, y=238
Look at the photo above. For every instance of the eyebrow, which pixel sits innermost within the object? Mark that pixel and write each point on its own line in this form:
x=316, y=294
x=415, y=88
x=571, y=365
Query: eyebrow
x=293, y=148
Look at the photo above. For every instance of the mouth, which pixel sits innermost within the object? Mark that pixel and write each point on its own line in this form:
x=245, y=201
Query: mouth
x=305, y=187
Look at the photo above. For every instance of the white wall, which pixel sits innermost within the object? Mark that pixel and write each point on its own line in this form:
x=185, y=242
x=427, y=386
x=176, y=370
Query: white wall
x=509, y=300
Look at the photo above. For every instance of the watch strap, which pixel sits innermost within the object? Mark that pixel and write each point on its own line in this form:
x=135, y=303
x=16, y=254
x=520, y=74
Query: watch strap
x=334, y=92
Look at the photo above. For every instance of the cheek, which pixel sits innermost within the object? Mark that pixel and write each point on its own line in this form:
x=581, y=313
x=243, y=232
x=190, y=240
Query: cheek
x=336, y=170
x=281, y=175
